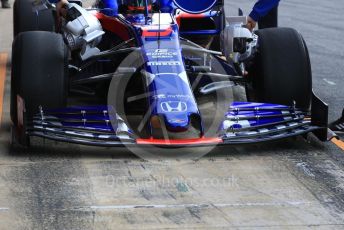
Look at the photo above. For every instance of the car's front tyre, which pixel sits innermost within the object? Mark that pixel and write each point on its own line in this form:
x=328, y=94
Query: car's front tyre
x=282, y=71
x=39, y=73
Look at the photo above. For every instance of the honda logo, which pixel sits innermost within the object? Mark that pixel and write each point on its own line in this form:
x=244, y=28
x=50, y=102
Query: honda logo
x=173, y=106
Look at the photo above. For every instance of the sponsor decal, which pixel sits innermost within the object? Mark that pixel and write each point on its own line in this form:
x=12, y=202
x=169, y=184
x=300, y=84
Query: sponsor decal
x=177, y=121
x=162, y=53
x=164, y=63
x=173, y=106
x=178, y=96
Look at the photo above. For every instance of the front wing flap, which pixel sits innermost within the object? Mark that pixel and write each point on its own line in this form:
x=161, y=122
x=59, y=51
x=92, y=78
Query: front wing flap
x=93, y=125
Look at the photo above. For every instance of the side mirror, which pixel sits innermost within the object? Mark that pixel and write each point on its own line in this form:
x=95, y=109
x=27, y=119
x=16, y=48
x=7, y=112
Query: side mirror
x=240, y=12
x=78, y=2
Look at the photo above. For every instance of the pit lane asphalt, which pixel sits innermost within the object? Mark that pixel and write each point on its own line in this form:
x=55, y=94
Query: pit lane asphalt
x=293, y=184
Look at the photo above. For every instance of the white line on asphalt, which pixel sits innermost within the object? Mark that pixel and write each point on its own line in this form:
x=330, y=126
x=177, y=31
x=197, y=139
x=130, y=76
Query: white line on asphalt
x=329, y=82
x=109, y=207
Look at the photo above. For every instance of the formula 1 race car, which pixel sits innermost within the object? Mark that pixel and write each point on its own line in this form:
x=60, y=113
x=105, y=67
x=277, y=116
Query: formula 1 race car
x=159, y=73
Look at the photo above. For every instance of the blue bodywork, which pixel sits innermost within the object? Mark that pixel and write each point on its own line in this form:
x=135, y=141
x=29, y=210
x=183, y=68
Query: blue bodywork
x=170, y=95
x=195, y=7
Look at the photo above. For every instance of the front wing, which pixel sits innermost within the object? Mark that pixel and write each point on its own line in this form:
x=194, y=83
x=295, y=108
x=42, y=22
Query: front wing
x=244, y=123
